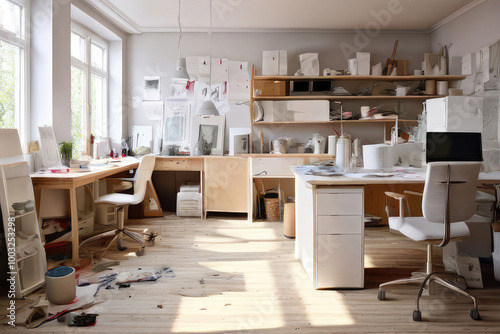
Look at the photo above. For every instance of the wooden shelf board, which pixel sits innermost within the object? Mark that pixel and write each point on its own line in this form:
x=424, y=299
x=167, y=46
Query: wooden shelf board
x=374, y=120
x=345, y=97
x=363, y=77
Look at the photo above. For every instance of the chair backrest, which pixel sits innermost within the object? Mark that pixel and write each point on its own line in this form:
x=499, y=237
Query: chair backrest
x=142, y=176
x=462, y=177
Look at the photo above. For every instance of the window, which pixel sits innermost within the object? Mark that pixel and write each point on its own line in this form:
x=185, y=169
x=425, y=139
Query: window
x=89, y=78
x=14, y=55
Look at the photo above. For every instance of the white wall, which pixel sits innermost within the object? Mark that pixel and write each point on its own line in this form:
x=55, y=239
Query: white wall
x=475, y=29
x=156, y=54
x=50, y=67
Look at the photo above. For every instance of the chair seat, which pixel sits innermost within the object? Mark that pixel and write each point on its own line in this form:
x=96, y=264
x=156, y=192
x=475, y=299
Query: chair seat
x=419, y=229
x=116, y=199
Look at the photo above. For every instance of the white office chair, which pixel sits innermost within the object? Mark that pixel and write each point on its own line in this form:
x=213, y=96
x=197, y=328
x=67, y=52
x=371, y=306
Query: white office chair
x=448, y=200
x=121, y=201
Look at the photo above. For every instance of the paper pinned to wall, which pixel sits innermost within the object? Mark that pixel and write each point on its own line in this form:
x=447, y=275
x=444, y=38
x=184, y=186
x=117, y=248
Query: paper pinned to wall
x=220, y=72
x=239, y=81
x=152, y=88
x=153, y=109
x=467, y=64
x=50, y=149
x=198, y=68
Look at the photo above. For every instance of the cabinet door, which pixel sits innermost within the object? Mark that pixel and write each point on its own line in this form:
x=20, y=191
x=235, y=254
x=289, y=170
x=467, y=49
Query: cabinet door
x=339, y=261
x=226, y=184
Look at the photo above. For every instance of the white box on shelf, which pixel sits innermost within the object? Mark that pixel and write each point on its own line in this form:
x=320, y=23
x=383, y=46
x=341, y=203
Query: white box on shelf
x=274, y=62
x=363, y=63
x=309, y=63
x=296, y=111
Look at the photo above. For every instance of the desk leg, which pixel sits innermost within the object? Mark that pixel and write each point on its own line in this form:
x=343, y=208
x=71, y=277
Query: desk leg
x=74, y=226
x=38, y=195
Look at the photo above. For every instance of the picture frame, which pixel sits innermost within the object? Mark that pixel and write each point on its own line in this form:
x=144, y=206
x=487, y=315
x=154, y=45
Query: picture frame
x=176, y=126
x=211, y=129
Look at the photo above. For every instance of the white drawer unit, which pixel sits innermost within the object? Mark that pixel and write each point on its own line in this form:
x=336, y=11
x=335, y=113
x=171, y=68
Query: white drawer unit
x=339, y=238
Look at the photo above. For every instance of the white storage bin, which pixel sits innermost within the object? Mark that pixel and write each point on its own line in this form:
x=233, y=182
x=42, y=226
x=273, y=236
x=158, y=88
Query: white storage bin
x=189, y=204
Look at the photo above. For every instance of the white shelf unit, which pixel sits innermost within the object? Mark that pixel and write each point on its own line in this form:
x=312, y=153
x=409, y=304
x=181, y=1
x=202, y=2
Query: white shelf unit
x=30, y=264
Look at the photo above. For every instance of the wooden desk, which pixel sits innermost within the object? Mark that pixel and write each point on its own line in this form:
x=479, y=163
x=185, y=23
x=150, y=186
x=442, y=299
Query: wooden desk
x=71, y=181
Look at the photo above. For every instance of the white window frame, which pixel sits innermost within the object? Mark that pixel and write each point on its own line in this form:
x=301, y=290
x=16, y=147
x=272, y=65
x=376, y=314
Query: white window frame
x=89, y=70
x=22, y=114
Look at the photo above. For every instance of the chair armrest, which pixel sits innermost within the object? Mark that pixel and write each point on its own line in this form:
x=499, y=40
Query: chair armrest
x=395, y=195
x=402, y=202
x=416, y=193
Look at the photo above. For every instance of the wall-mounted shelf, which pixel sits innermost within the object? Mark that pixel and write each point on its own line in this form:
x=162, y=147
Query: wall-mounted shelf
x=390, y=78
x=368, y=120
x=344, y=97
x=286, y=88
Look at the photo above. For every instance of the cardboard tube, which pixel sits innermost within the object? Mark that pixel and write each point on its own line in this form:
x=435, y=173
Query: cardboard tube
x=289, y=220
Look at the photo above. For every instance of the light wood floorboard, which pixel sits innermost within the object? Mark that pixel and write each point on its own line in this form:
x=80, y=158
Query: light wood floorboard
x=235, y=276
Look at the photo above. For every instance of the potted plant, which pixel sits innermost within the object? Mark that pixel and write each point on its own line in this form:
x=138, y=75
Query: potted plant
x=66, y=152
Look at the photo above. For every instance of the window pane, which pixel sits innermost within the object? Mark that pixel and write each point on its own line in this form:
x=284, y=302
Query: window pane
x=10, y=17
x=78, y=133
x=77, y=47
x=96, y=54
x=97, y=103
x=9, y=85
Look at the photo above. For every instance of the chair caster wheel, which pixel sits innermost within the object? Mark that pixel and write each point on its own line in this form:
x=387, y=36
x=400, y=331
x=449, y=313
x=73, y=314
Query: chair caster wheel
x=381, y=294
x=140, y=252
x=417, y=315
x=474, y=314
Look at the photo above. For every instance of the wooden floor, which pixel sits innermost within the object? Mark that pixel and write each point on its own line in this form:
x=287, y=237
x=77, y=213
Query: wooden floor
x=235, y=276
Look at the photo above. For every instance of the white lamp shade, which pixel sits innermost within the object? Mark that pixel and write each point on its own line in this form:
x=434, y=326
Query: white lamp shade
x=207, y=108
x=180, y=69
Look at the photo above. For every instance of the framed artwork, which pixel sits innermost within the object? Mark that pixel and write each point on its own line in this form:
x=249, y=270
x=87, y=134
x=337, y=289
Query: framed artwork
x=177, y=125
x=208, y=131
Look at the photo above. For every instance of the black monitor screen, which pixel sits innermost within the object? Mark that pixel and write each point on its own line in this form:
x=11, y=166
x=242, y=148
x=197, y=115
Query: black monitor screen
x=453, y=146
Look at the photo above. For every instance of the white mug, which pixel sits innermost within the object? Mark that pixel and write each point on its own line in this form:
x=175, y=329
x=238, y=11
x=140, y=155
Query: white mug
x=364, y=111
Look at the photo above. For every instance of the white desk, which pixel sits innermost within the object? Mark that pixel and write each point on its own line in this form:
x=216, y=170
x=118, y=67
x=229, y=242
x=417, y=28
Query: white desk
x=330, y=249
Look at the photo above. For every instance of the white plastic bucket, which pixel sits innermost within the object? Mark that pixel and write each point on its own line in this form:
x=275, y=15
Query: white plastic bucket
x=61, y=285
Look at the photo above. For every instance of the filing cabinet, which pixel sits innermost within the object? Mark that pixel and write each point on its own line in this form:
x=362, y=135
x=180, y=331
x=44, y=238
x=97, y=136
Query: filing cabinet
x=339, y=238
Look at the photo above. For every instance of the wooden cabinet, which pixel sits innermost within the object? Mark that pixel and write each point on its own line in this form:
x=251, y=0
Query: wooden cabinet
x=27, y=264
x=226, y=184
x=371, y=92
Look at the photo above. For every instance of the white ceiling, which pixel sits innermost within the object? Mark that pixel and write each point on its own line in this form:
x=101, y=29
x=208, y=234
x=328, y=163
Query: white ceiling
x=138, y=16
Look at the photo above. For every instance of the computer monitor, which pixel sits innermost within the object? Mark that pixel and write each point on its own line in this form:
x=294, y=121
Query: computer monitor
x=453, y=146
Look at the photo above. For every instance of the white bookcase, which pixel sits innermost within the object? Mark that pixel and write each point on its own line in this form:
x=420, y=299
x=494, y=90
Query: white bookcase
x=26, y=256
